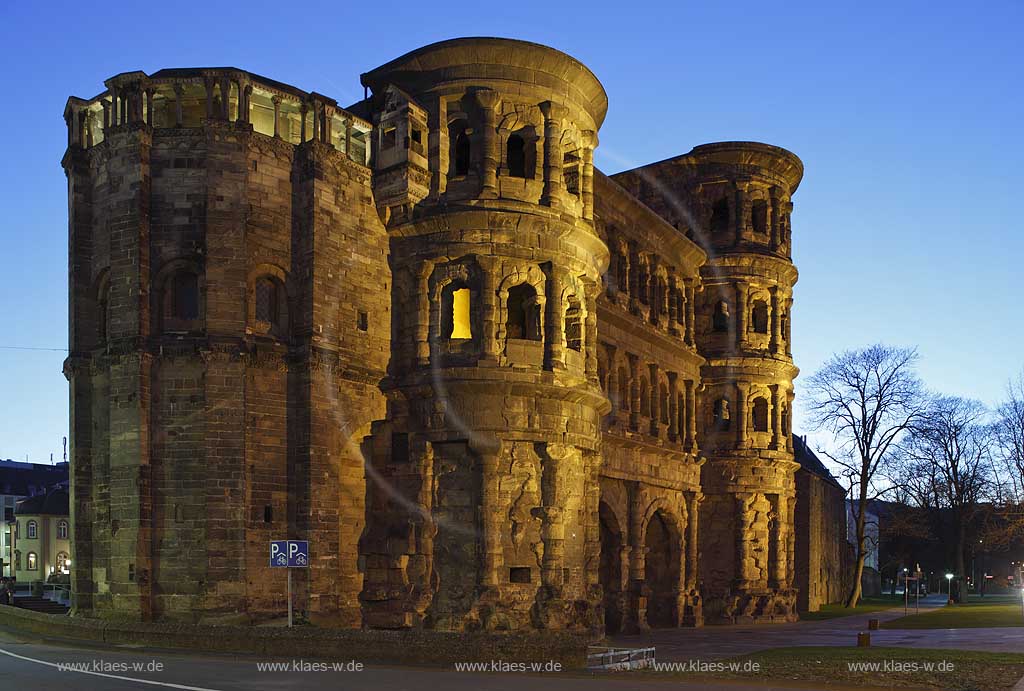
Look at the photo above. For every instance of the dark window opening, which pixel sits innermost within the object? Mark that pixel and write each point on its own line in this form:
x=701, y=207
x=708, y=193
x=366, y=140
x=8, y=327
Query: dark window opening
x=523, y=313
x=519, y=574
x=399, y=447
x=760, y=415
x=720, y=216
x=516, y=156
x=721, y=317
x=571, y=173
x=417, y=136
x=574, y=325
x=389, y=138
x=362, y=321
x=185, y=296
x=760, y=317
x=759, y=217
x=268, y=514
x=131, y=572
x=461, y=153
x=722, y=417
x=266, y=301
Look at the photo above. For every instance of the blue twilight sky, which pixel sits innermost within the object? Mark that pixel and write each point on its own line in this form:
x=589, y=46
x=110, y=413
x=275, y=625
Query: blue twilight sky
x=907, y=227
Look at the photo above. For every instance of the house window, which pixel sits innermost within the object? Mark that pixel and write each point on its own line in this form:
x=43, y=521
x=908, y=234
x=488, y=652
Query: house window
x=516, y=155
x=760, y=415
x=574, y=325
x=523, y=313
x=720, y=321
x=184, y=297
x=31, y=529
x=458, y=134
x=760, y=317
x=721, y=413
x=720, y=216
x=62, y=530
x=32, y=562
x=455, y=312
x=63, y=562
x=759, y=217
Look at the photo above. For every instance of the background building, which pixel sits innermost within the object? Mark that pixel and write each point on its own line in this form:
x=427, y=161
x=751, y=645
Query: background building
x=494, y=388
x=19, y=480
x=41, y=536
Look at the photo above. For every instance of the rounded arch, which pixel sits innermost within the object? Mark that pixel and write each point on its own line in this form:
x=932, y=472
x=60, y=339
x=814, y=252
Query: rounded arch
x=611, y=568
x=663, y=548
x=268, y=301
x=179, y=301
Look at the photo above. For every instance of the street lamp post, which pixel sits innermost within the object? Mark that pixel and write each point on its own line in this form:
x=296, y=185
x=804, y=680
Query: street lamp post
x=949, y=588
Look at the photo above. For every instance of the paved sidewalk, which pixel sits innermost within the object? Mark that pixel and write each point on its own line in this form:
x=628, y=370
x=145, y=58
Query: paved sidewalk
x=713, y=642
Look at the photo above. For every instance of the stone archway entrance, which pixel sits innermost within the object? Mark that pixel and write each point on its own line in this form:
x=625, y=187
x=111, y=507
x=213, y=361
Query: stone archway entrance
x=610, y=570
x=661, y=571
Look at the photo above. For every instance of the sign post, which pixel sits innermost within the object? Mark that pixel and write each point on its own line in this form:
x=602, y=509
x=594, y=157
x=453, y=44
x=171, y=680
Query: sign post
x=289, y=554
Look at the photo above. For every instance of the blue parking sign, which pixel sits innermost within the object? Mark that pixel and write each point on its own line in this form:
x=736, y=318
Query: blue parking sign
x=279, y=553
x=298, y=553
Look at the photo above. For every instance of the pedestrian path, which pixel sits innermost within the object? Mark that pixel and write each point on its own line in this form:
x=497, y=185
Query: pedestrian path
x=716, y=642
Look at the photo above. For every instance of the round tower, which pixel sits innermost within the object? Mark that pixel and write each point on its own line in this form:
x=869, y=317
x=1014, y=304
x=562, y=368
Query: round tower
x=482, y=507
x=740, y=193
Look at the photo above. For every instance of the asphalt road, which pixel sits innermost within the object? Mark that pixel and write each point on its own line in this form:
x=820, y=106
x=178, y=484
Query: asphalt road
x=40, y=665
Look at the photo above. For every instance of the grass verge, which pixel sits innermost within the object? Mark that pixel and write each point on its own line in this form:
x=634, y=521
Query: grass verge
x=867, y=605
x=976, y=612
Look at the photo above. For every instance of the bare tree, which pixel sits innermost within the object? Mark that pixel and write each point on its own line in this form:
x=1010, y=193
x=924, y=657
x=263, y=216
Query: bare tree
x=1009, y=436
x=948, y=447
x=867, y=398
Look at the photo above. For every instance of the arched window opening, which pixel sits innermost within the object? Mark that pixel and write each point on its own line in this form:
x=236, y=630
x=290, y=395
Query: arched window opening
x=32, y=562
x=62, y=530
x=720, y=216
x=516, y=156
x=456, y=321
x=645, y=397
x=760, y=414
x=574, y=325
x=721, y=317
x=759, y=317
x=184, y=297
x=623, y=390
x=63, y=564
x=663, y=403
x=266, y=301
x=461, y=149
x=759, y=217
x=523, y=313
x=31, y=530
x=721, y=414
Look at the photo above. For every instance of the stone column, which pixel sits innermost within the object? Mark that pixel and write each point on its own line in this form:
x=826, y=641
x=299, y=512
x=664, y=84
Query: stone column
x=742, y=213
x=655, y=400
x=552, y=530
x=488, y=102
x=781, y=542
x=690, y=308
x=553, y=189
x=773, y=344
x=316, y=119
x=691, y=415
x=437, y=142
x=276, y=100
x=776, y=421
x=423, y=313
x=692, y=524
x=489, y=310
x=789, y=409
x=634, y=395
x=741, y=314
x=149, y=106
x=348, y=138
x=774, y=232
x=590, y=333
x=742, y=440
x=303, y=109
x=490, y=515
x=587, y=182
x=106, y=116
x=208, y=83
x=225, y=98
x=787, y=336
x=245, y=113
x=179, y=107
x=673, y=407
x=634, y=278
x=742, y=540
x=554, y=333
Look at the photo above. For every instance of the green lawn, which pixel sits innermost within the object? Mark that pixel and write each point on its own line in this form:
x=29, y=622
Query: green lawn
x=865, y=606
x=992, y=610
x=971, y=671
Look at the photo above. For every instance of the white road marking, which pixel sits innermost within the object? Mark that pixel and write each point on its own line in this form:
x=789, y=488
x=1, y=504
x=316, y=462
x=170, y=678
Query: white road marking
x=63, y=668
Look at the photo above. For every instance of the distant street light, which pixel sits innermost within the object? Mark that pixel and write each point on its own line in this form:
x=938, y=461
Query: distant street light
x=949, y=588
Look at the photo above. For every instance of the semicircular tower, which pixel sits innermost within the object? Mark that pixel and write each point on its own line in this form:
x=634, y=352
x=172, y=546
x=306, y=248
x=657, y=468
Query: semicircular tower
x=482, y=502
x=734, y=199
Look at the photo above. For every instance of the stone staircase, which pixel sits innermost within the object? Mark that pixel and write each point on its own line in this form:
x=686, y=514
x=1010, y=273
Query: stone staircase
x=39, y=604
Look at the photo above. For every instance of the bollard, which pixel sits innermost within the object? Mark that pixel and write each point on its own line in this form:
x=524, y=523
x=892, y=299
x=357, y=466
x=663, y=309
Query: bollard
x=872, y=625
x=863, y=639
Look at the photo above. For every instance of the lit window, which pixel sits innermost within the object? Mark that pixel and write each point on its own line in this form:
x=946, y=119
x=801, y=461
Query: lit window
x=32, y=562
x=63, y=562
x=460, y=314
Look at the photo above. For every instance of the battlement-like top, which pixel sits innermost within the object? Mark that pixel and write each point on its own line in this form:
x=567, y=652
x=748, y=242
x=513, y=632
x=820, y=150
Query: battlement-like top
x=480, y=60
x=775, y=160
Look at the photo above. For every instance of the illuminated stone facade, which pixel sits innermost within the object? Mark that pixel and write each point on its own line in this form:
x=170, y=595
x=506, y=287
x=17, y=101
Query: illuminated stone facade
x=494, y=388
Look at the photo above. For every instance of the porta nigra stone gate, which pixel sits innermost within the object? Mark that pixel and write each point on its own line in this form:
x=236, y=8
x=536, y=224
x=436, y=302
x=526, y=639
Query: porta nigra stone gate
x=494, y=388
